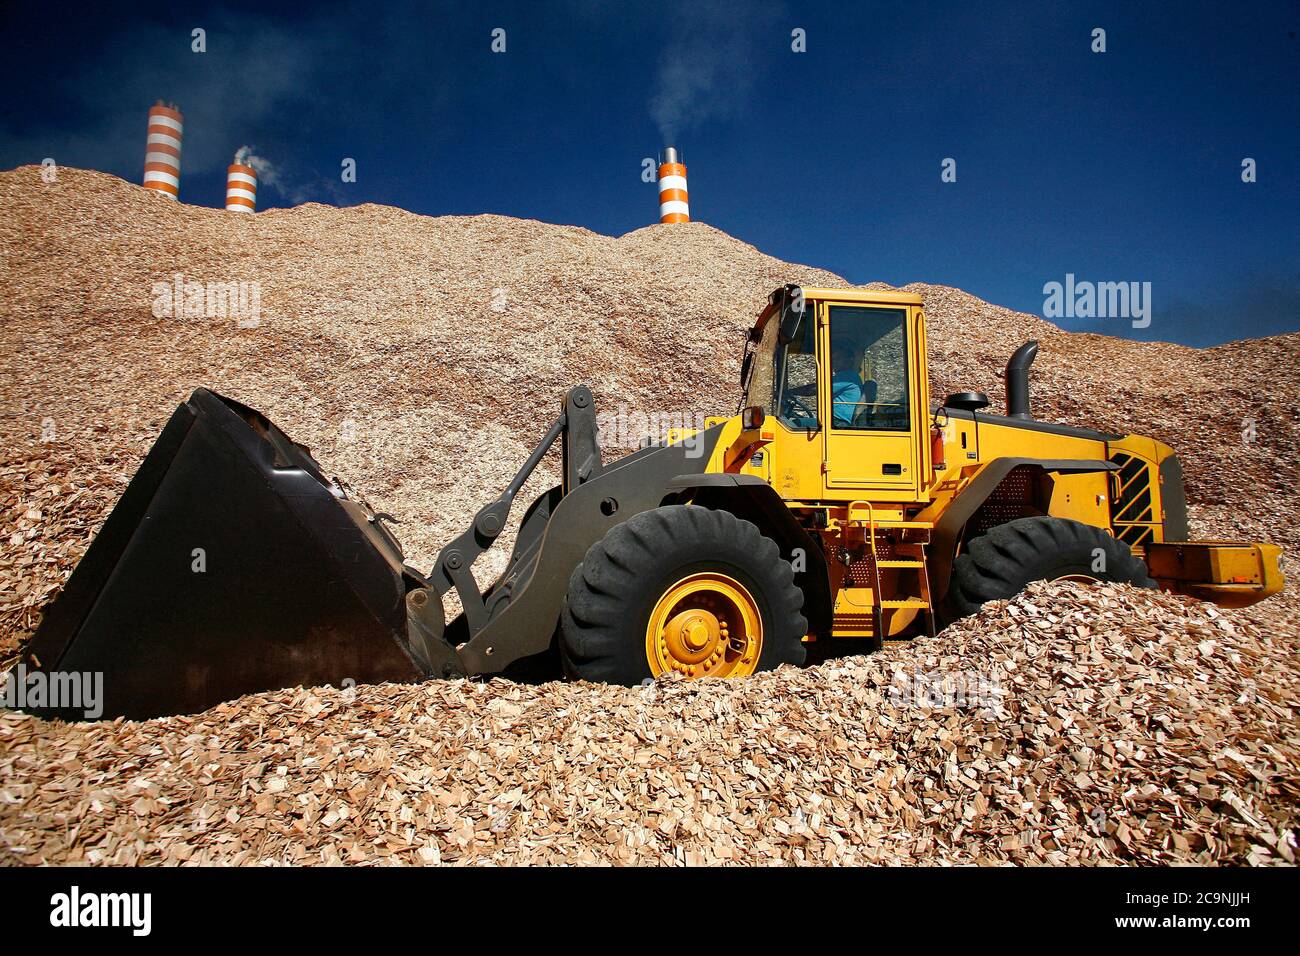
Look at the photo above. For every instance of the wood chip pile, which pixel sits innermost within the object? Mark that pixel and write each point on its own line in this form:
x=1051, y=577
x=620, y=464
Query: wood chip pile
x=421, y=358
x=1069, y=725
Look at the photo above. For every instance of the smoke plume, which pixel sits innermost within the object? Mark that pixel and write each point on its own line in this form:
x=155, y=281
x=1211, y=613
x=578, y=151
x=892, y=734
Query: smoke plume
x=708, y=69
x=267, y=172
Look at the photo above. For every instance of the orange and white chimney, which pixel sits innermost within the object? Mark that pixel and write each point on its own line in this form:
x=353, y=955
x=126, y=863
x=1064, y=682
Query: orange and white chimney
x=162, y=152
x=673, y=204
x=241, y=188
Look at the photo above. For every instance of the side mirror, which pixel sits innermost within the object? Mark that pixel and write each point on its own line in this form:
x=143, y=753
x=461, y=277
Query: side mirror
x=790, y=319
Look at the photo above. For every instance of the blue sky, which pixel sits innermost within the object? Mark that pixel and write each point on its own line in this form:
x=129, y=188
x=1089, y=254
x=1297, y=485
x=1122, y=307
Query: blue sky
x=1115, y=166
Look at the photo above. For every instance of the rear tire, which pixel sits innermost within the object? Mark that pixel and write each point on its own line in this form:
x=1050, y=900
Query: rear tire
x=1002, y=561
x=625, y=577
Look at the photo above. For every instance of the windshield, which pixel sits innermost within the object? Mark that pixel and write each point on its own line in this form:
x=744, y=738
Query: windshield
x=759, y=392
x=796, y=375
x=784, y=377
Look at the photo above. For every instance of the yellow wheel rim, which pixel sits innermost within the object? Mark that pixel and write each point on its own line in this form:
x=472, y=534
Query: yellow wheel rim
x=705, y=625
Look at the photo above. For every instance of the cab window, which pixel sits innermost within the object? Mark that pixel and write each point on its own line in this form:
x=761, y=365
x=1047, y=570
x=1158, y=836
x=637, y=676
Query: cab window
x=796, y=377
x=869, y=369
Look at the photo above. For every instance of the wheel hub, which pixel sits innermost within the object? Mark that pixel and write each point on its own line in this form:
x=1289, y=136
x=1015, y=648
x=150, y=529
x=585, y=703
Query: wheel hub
x=705, y=625
x=692, y=636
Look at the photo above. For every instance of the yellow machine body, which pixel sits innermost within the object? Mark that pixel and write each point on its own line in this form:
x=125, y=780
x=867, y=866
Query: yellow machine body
x=885, y=502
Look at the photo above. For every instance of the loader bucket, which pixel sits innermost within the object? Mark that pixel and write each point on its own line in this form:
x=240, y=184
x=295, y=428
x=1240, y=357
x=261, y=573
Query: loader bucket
x=230, y=565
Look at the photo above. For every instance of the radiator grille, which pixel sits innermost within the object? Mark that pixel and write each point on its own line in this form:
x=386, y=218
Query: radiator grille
x=1131, y=511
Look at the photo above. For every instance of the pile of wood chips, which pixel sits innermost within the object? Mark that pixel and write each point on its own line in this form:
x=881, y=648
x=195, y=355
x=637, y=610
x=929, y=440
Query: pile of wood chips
x=1070, y=725
x=422, y=358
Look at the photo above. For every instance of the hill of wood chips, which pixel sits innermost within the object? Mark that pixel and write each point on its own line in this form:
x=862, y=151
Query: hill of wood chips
x=421, y=358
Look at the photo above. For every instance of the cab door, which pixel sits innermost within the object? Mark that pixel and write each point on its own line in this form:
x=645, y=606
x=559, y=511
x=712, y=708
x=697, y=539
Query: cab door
x=869, y=395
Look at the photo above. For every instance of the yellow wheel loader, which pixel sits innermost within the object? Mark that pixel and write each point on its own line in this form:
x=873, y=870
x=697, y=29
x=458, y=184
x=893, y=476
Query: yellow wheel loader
x=838, y=504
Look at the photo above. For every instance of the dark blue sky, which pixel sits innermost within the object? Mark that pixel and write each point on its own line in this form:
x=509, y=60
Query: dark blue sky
x=1115, y=166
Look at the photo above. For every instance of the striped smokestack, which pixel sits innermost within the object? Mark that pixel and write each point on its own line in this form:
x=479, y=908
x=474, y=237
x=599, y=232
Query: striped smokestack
x=673, y=204
x=162, y=152
x=241, y=188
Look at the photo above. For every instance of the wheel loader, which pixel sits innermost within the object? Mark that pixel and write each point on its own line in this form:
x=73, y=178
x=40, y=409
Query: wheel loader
x=838, y=504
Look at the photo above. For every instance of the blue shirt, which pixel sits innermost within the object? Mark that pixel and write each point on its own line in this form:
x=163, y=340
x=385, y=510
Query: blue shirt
x=846, y=396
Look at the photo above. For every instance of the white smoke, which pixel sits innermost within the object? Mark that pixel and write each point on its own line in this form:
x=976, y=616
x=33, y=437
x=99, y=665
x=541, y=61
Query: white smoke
x=289, y=183
x=267, y=172
x=708, y=68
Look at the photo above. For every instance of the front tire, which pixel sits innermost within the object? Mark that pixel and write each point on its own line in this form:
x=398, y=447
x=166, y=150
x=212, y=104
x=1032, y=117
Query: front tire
x=1002, y=561
x=681, y=588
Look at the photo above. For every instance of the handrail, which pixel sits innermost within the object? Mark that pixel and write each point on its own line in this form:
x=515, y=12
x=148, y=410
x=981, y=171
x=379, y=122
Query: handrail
x=871, y=522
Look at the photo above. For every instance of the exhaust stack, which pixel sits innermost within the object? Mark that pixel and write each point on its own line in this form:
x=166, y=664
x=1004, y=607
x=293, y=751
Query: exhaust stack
x=673, y=203
x=241, y=188
x=1017, y=378
x=162, y=151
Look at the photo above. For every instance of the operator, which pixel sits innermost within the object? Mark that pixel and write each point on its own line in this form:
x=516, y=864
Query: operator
x=848, y=392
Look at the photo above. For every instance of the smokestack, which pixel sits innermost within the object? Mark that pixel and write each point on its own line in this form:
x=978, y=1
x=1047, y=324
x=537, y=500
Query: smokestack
x=241, y=188
x=1017, y=377
x=673, y=204
x=162, y=155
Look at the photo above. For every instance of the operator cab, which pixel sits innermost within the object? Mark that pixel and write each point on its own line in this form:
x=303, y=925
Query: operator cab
x=867, y=367
x=847, y=365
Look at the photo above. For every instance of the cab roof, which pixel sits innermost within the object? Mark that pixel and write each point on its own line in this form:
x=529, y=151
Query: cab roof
x=820, y=294
x=893, y=297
